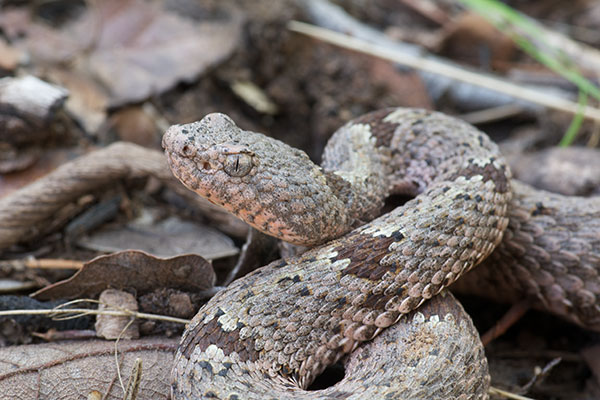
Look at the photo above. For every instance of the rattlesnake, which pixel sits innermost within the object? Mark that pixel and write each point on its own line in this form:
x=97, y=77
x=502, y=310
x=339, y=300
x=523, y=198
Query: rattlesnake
x=269, y=334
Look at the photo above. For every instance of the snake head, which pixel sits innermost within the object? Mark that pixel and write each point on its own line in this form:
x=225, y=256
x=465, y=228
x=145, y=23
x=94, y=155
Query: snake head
x=213, y=144
x=270, y=185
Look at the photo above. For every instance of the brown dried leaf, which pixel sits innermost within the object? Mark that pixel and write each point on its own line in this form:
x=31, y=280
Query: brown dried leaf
x=133, y=270
x=140, y=56
x=136, y=125
x=87, y=100
x=470, y=35
x=73, y=370
x=133, y=48
x=166, y=238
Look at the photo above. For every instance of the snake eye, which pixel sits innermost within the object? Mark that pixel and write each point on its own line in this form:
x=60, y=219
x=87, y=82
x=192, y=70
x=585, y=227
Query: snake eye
x=238, y=164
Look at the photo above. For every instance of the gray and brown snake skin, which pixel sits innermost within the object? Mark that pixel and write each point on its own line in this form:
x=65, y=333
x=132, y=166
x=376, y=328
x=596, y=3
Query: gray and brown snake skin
x=269, y=334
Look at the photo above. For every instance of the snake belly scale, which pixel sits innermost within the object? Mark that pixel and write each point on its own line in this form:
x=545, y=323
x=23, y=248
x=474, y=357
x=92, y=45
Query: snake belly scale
x=269, y=334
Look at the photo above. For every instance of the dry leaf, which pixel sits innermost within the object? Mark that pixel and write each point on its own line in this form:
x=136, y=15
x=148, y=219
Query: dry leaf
x=133, y=270
x=129, y=49
x=142, y=50
x=75, y=369
x=135, y=125
x=167, y=238
x=474, y=39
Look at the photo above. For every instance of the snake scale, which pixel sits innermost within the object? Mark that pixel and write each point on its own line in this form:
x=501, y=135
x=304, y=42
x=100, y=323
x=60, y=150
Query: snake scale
x=269, y=334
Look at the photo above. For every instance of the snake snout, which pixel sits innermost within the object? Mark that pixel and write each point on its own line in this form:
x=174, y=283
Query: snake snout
x=177, y=142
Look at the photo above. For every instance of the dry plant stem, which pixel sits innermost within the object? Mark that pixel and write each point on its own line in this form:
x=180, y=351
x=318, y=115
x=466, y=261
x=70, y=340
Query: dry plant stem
x=118, y=367
x=69, y=313
x=327, y=15
x=52, y=263
x=540, y=374
x=52, y=335
x=514, y=314
x=507, y=395
x=492, y=114
x=584, y=56
x=133, y=385
x=24, y=211
x=432, y=66
x=580, y=54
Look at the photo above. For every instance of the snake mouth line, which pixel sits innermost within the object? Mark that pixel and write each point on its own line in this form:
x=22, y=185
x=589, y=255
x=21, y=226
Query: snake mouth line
x=183, y=168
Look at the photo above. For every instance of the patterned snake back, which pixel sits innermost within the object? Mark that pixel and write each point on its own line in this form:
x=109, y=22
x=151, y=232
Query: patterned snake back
x=276, y=329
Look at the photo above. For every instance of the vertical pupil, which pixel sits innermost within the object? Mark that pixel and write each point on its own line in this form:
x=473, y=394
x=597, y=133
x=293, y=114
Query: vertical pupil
x=237, y=163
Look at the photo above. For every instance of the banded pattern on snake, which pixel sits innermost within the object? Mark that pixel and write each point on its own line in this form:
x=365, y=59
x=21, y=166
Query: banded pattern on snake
x=272, y=332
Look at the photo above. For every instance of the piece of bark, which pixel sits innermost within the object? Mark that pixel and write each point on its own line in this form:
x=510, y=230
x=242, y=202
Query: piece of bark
x=32, y=100
x=27, y=106
x=111, y=326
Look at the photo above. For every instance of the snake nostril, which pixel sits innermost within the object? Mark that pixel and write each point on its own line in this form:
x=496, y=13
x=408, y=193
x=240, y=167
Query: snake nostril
x=185, y=149
x=206, y=166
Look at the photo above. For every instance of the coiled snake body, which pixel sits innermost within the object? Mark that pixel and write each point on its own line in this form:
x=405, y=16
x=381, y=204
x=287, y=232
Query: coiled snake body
x=269, y=334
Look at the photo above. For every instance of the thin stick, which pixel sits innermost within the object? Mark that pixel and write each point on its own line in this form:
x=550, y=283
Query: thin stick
x=133, y=385
x=459, y=74
x=53, y=263
x=508, y=395
x=514, y=314
x=125, y=390
x=86, y=311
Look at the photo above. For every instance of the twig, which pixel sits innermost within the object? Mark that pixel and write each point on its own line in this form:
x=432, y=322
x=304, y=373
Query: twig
x=499, y=392
x=451, y=71
x=540, y=374
x=514, y=314
x=125, y=390
x=133, y=385
x=76, y=312
x=52, y=263
x=492, y=114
